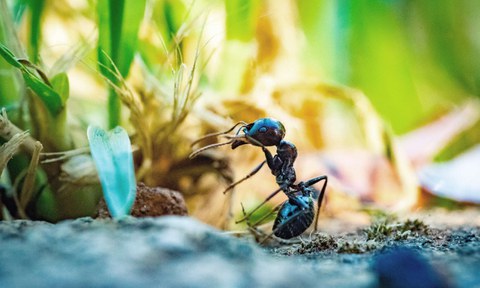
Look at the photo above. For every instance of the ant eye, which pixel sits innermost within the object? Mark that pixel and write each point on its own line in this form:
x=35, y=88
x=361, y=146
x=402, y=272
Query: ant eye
x=262, y=130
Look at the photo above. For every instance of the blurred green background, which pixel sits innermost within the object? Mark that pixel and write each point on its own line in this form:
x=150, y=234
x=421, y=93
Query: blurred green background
x=412, y=59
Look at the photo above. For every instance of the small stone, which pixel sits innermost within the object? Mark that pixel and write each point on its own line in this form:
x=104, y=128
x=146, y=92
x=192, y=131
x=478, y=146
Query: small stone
x=152, y=202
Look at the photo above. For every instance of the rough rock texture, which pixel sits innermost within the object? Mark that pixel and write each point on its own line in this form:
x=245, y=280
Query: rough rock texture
x=150, y=252
x=177, y=251
x=152, y=202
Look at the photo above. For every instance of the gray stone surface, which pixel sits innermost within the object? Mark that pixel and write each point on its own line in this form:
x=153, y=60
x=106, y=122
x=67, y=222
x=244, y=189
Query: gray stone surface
x=182, y=252
x=161, y=252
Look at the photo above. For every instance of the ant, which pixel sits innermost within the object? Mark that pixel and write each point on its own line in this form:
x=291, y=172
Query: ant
x=296, y=214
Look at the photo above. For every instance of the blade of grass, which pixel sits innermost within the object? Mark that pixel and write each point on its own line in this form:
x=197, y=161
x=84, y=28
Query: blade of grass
x=169, y=16
x=35, y=31
x=61, y=85
x=119, y=22
x=47, y=94
x=19, y=8
x=10, y=79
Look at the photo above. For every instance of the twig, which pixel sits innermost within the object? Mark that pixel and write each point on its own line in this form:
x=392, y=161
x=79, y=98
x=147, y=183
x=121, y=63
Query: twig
x=9, y=130
x=29, y=182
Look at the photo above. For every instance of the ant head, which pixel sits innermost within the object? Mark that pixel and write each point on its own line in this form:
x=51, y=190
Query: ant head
x=266, y=131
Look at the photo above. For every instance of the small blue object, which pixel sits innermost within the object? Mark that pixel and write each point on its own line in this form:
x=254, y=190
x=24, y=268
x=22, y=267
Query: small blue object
x=404, y=267
x=112, y=154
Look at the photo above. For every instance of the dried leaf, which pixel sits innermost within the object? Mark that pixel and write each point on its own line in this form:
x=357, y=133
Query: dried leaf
x=458, y=179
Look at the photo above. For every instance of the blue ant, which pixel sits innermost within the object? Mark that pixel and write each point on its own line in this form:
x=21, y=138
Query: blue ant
x=297, y=213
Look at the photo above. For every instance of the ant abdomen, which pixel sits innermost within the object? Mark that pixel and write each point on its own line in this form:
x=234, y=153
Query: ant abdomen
x=293, y=219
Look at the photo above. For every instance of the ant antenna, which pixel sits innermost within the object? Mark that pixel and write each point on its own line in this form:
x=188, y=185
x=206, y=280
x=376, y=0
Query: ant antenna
x=230, y=138
x=211, y=135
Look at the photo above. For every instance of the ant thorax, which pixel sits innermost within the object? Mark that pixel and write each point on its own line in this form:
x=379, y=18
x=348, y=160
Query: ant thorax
x=287, y=150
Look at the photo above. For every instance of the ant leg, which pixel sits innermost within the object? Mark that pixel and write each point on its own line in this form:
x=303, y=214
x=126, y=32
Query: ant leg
x=268, y=156
x=229, y=216
x=254, y=171
x=260, y=205
x=320, y=196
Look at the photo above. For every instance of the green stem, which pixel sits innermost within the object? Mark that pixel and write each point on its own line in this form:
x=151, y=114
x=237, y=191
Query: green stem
x=114, y=109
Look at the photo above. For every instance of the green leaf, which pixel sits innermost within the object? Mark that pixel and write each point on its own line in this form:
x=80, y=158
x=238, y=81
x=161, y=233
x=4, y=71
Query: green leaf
x=113, y=158
x=49, y=97
x=132, y=19
x=10, y=79
x=19, y=8
x=9, y=57
x=104, y=39
x=118, y=23
x=61, y=85
x=168, y=16
x=36, y=8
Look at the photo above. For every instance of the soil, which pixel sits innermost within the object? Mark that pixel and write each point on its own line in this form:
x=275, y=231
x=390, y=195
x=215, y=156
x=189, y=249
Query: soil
x=152, y=202
x=177, y=251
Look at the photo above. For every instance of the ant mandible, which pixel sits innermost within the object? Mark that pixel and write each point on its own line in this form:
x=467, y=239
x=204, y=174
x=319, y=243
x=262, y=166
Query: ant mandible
x=296, y=214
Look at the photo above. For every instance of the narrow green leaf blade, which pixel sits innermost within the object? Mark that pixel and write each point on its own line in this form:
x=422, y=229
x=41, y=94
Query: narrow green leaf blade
x=113, y=158
x=132, y=18
x=52, y=99
x=61, y=85
x=9, y=57
x=104, y=46
x=36, y=8
x=118, y=23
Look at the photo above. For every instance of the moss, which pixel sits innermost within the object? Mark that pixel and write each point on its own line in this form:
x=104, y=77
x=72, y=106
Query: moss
x=320, y=242
x=378, y=230
x=382, y=229
x=357, y=247
x=385, y=231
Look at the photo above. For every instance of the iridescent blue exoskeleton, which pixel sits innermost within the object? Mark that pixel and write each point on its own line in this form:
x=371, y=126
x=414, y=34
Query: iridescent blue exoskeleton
x=297, y=213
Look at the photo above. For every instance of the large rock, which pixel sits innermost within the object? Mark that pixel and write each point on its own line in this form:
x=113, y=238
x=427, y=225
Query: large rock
x=175, y=251
x=152, y=252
